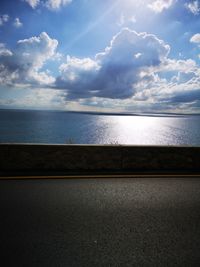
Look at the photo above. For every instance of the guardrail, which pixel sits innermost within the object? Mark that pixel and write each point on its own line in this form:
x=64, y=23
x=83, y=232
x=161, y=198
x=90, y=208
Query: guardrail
x=96, y=158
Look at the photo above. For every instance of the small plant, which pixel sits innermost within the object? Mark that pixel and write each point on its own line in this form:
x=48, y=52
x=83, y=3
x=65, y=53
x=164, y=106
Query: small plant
x=114, y=143
x=70, y=141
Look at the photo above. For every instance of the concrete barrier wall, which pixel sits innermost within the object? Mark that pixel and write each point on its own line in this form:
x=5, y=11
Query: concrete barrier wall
x=31, y=157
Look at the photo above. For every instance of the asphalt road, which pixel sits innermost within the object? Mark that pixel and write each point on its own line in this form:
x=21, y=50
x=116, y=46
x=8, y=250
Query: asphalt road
x=100, y=222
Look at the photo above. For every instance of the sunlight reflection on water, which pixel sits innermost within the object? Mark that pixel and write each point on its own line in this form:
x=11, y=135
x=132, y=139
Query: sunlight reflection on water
x=148, y=130
x=58, y=127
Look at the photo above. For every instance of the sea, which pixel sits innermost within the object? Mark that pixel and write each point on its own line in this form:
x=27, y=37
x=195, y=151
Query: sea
x=60, y=127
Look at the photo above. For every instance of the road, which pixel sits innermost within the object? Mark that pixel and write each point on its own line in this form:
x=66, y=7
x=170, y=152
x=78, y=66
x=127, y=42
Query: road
x=100, y=222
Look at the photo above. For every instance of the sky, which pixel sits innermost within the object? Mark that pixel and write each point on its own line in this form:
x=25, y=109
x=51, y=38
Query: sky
x=104, y=56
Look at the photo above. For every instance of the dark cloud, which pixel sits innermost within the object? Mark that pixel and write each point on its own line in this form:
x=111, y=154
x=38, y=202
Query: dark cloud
x=185, y=97
x=115, y=72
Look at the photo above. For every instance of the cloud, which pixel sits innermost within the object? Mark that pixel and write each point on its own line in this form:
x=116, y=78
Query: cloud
x=56, y=4
x=4, y=51
x=17, y=23
x=3, y=19
x=78, y=76
x=135, y=70
x=50, y=4
x=33, y=3
x=126, y=19
x=174, y=65
x=130, y=70
x=185, y=97
x=35, y=99
x=193, y=7
x=159, y=5
x=23, y=66
x=115, y=72
x=195, y=38
x=184, y=87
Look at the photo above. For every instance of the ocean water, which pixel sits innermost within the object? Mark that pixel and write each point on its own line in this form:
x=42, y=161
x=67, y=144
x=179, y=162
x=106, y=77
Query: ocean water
x=55, y=127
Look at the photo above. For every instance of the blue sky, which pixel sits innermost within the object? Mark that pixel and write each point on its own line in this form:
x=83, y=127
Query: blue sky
x=91, y=55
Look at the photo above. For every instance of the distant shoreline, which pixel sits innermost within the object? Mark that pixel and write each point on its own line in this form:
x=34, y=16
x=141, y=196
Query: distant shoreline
x=164, y=114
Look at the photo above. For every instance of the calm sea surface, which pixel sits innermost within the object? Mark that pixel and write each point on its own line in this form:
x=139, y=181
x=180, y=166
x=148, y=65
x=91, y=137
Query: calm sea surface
x=61, y=127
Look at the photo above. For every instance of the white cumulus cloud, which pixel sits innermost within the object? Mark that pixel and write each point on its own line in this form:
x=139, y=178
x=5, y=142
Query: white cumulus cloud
x=50, y=4
x=4, y=51
x=33, y=3
x=23, y=65
x=193, y=7
x=56, y=4
x=3, y=18
x=133, y=70
x=17, y=23
x=195, y=38
x=159, y=5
